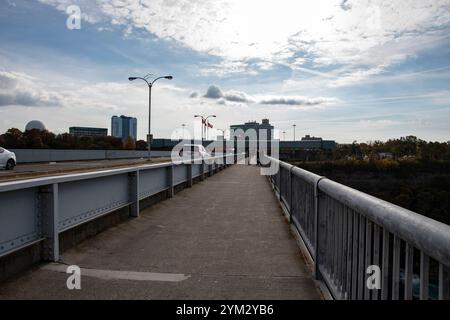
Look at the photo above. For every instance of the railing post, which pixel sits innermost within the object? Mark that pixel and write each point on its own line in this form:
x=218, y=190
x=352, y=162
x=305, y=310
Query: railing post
x=133, y=187
x=290, y=195
x=48, y=211
x=317, y=234
x=235, y=150
x=279, y=181
x=202, y=170
x=189, y=165
x=424, y=275
x=224, y=152
x=170, y=183
x=189, y=174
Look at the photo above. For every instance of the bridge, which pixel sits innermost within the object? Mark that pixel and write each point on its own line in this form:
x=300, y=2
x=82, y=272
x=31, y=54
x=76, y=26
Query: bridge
x=214, y=230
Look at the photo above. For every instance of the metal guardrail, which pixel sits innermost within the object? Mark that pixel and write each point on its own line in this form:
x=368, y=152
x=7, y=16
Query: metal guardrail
x=39, y=209
x=49, y=155
x=345, y=231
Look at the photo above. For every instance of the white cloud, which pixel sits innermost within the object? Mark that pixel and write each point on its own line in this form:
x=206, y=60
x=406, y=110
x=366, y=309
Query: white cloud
x=237, y=96
x=24, y=97
x=296, y=101
x=214, y=92
x=20, y=89
x=193, y=94
x=328, y=32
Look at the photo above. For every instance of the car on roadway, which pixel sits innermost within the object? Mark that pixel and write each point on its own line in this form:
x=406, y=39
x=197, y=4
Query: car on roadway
x=199, y=151
x=7, y=159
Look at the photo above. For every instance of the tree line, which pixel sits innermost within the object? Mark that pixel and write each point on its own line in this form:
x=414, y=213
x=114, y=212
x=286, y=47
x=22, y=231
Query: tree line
x=405, y=147
x=36, y=139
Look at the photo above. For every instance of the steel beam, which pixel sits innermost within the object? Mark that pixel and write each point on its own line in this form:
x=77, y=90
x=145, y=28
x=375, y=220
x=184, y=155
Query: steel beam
x=48, y=208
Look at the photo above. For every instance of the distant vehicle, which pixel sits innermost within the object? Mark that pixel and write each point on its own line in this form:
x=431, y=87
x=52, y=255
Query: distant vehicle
x=7, y=159
x=199, y=151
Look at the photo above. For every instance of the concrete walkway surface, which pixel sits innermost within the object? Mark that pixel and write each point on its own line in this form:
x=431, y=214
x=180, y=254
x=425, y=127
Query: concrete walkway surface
x=224, y=238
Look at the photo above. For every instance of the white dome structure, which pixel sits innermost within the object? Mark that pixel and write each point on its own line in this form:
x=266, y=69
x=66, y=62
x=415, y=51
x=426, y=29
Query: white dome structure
x=35, y=124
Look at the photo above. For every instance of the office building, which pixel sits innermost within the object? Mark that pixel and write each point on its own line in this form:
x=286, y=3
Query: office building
x=264, y=125
x=88, y=132
x=124, y=127
x=308, y=143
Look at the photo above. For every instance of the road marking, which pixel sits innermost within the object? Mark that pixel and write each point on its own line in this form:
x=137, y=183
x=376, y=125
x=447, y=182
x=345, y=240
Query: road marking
x=121, y=275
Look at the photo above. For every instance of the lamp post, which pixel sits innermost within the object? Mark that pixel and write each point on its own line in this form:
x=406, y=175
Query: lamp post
x=148, y=79
x=284, y=135
x=183, y=125
x=294, y=125
x=204, y=119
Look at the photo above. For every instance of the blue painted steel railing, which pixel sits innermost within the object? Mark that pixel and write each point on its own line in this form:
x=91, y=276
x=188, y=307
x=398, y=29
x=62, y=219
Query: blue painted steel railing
x=36, y=210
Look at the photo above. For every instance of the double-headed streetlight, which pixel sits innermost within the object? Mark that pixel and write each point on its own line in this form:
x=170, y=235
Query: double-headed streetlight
x=204, y=122
x=150, y=79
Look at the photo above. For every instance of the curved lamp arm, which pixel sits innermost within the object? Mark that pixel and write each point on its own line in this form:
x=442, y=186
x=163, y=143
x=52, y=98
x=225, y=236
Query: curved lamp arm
x=163, y=77
x=140, y=78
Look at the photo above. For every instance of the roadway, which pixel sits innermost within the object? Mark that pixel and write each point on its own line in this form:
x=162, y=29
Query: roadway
x=223, y=238
x=34, y=170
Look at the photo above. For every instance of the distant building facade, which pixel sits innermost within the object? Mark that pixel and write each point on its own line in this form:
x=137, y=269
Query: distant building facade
x=124, y=127
x=307, y=143
x=307, y=149
x=264, y=125
x=308, y=138
x=88, y=132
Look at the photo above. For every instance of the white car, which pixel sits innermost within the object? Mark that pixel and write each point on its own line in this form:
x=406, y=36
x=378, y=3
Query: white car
x=7, y=159
x=199, y=151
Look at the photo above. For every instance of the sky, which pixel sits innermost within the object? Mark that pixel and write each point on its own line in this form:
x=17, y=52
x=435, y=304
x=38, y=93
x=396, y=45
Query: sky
x=344, y=70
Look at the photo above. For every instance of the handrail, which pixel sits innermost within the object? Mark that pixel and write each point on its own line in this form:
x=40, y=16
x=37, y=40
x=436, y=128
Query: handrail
x=345, y=231
x=426, y=234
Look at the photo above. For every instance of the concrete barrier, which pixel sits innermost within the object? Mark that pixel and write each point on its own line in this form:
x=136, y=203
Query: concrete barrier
x=48, y=155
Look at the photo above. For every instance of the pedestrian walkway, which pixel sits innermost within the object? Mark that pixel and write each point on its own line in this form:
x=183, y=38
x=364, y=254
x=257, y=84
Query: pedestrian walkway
x=223, y=238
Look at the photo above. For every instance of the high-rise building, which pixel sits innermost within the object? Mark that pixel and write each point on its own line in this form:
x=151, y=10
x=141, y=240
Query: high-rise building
x=124, y=127
x=88, y=132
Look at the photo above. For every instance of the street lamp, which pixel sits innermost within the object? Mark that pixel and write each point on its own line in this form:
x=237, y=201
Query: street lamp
x=183, y=125
x=204, y=119
x=148, y=79
x=294, y=125
x=284, y=135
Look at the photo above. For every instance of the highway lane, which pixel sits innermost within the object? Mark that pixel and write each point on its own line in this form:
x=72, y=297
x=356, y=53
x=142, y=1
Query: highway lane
x=34, y=170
